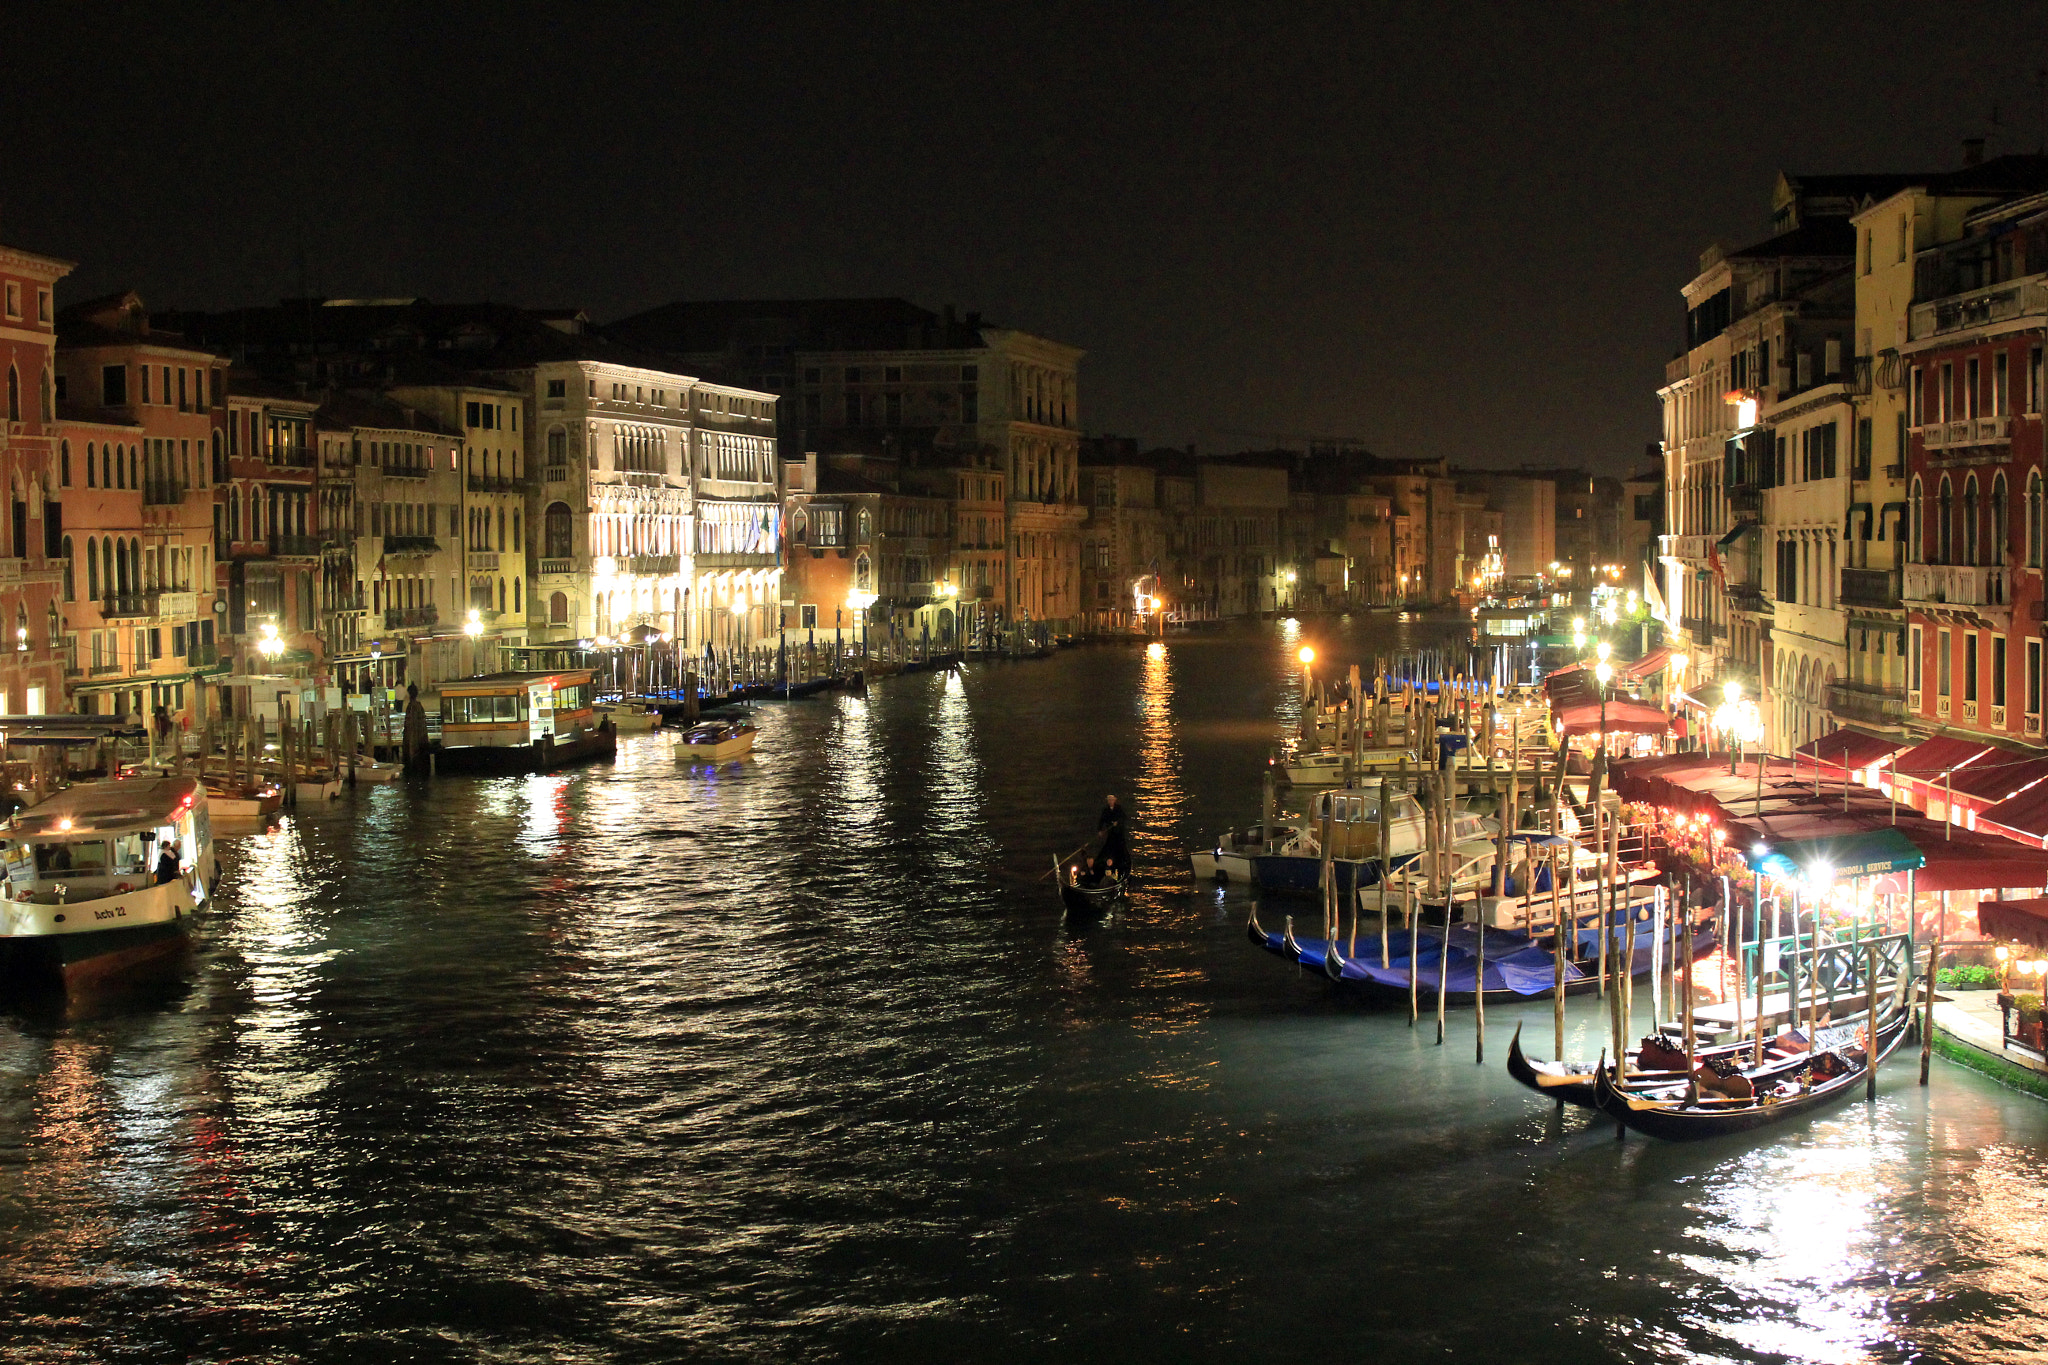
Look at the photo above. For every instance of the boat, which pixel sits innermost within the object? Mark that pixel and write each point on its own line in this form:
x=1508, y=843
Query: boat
x=630, y=719
x=232, y=801
x=1518, y=967
x=1327, y=769
x=1573, y=1082
x=1356, y=859
x=1088, y=897
x=521, y=723
x=1676, y=1114
x=716, y=741
x=1231, y=857
x=83, y=899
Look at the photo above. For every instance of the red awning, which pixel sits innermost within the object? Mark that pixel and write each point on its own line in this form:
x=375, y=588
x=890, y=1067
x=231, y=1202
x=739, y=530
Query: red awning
x=1969, y=862
x=1844, y=749
x=1622, y=718
x=1935, y=757
x=2023, y=817
x=1560, y=672
x=1649, y=664
x=2022, y=921
x=1998, y=777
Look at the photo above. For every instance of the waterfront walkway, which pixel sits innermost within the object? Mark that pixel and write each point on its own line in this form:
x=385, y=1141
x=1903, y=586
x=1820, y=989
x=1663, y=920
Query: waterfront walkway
x=1968, y=1032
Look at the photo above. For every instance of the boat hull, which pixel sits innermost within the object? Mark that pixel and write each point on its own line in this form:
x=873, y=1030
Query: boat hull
x=717, y=752
x=539, y=757
x=1678, y=1123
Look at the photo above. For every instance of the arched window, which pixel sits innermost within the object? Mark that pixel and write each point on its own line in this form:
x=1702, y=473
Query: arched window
x=1998, y=521
x=13, y=394
x=558, y=532
x=64, y=464
x=863, y=572
x=92, y=568
x=501, y=597
x=1970, y=542
x=1916, y=547
x=516, y=608
x=558, y=609
x=55, y=624
x=135, y=466
x=2034, y=519
x=1945, y=524
x=863, y=527
x=800, y=527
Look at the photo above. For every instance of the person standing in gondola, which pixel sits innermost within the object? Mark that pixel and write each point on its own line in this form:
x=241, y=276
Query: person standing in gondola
x=1113, y=858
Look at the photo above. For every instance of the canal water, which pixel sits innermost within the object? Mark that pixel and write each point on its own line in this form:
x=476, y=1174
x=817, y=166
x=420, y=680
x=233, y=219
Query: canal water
x=793, y=1061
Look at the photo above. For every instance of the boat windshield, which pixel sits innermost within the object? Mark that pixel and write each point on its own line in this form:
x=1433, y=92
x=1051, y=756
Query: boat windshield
x=88, y=858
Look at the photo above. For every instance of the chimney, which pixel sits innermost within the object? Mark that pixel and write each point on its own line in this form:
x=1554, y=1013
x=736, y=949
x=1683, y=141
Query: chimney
x=1973, y=151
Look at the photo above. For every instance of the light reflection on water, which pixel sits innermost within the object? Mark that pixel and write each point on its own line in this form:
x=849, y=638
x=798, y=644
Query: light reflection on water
x=792, y=1059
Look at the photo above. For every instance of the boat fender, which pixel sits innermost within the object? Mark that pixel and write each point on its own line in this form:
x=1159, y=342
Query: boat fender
x=123, y=888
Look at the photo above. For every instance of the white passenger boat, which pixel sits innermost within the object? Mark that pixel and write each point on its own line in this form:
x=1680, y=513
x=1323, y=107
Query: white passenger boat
x=1326, y=769
x=631, y=720
x=716, y=741
x=85, y=894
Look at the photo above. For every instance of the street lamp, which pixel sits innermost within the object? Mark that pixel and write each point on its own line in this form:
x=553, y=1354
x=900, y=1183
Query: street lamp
x=473, y=627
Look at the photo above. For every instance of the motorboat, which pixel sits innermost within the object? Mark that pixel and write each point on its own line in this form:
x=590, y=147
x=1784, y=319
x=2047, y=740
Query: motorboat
x=1327, y=769
x=716, y=741
x=90, y=890
x=1231, y=858
x=1355, y=853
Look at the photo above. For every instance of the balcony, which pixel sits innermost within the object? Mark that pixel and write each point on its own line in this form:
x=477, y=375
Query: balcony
x=176, y=606
x=411, y=547
x=492, y=483
x=1870, y=588
x=1979, y=308
x=411, y=618
x=1969, y=712
x=406, y=471
x=651, y=566
x=103, y=670
x=162, y=492
x=1963, y=585
x=290, y=459
x=557, y=473
x=1967, y=431
x=736, y=559
x=1864, y=703
x=483, y=561
x=559, y=566
x=128, y=606
x=1684, y=547
x=305, y=547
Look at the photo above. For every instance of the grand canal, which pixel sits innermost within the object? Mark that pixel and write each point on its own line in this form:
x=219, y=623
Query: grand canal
x=795, y=1062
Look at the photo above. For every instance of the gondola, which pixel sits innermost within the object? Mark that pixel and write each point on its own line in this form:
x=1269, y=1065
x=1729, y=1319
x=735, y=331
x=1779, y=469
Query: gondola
x=1519, y=969
x=1573, y=1082
x=1086, y=900
x=1668, y=1113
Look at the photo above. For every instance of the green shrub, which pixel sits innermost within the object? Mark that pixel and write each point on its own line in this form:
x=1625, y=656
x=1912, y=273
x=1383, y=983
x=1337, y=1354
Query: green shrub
x=1965, y=976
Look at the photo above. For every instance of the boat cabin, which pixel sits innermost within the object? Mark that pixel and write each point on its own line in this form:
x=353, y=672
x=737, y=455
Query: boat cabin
x=516, y=710
x=105, y=838
x=1354, y=815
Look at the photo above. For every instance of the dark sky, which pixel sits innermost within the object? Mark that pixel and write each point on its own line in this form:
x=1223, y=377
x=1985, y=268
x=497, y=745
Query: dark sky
x=1446, y=230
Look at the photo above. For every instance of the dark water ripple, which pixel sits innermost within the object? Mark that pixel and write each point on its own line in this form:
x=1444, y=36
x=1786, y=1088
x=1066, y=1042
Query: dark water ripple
x=794, y=1062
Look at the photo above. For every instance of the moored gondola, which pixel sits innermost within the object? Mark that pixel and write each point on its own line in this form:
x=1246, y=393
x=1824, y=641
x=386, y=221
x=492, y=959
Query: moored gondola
x=1574, y=1082
x=1676, y=1114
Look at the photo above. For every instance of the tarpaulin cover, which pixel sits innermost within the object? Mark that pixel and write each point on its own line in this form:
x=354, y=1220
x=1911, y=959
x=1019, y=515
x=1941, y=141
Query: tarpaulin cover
x=1650, y=663
x=1845, y=749
x=1849, y=854
x=1622, y=718
x=2022, y=921
x=1513, y=962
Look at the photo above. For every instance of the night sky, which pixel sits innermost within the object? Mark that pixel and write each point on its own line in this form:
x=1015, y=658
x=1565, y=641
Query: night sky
x=1444, y=230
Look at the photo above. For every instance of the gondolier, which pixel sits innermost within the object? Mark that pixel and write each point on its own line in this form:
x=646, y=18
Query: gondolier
x=1113, y=859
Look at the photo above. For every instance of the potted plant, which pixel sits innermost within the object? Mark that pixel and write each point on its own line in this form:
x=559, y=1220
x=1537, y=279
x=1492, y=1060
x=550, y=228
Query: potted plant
x=2029, y=1030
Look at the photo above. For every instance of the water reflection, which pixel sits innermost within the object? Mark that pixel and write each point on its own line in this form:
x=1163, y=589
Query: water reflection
x=792, y=1060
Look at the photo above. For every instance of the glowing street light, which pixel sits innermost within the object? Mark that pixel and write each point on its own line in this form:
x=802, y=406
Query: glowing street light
x=473, y=627
x=1308, y=654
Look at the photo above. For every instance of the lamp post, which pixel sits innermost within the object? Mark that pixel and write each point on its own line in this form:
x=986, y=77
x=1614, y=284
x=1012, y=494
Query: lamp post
x=1603, y=671
x=473, y=627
